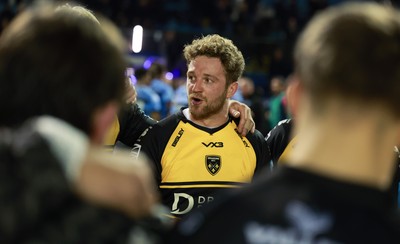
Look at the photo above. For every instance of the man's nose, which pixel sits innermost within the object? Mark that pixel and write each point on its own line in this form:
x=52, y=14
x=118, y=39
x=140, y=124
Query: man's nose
x=197, y=86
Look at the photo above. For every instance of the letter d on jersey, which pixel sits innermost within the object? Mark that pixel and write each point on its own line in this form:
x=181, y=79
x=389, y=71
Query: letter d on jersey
x=177, y=197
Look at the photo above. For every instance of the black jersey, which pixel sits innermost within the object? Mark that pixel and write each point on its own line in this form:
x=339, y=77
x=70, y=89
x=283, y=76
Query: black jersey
x=279, y=138
x=193, y=164
x=281, y=141
x=294, y=206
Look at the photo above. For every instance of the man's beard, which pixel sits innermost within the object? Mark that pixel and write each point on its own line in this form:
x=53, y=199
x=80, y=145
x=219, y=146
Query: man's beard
x=209, y=109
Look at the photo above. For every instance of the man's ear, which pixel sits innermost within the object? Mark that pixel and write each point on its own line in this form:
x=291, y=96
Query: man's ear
x=293, y=94
x=103, y=118
x=232, y=88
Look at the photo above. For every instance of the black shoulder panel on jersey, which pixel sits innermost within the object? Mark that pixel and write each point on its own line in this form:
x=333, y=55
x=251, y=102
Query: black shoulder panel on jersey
x=154, y=140
x=260, y=148
x=133, y=121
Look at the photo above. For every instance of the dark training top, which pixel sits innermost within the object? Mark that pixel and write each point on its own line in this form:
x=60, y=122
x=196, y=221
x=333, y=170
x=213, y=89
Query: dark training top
x=294, y=206
x=280, y=143
x=192, y=164
x=38, y=204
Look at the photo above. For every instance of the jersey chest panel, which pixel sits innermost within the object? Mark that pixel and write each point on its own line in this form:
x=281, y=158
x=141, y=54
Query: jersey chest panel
x=193, y=155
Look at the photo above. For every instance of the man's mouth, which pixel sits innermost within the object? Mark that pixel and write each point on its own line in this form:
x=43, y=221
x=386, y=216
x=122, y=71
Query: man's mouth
x=195, y=100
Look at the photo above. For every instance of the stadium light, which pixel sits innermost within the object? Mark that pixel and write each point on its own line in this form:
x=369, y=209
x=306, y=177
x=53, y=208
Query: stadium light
x=169, y=76
x=147, y=64
x=137, y=38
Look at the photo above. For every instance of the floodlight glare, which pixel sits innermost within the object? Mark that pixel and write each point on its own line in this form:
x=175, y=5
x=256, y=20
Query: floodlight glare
x=137, y=38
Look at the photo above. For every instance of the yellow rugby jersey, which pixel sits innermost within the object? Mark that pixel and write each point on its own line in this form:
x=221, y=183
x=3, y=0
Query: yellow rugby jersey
x=192, y=164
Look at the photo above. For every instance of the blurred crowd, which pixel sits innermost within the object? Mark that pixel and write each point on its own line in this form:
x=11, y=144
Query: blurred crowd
x=264, y=30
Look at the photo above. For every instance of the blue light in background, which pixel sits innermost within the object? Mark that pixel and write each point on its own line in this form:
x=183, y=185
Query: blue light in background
x=176, y=73
x=147, y=63
x=169, y=76
x=133, y=79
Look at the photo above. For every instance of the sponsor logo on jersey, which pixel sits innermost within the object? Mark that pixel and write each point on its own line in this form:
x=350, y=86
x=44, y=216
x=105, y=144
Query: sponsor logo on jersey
x=213, y=144
x=178, y=137
x=145, y=131
x=213, y=164
x=135, y=151
x=184, y=202
x=177, y=198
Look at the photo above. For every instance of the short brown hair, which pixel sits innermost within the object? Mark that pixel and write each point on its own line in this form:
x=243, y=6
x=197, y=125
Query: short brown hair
x=352, y=51
x=216, y=46
x=58, y=63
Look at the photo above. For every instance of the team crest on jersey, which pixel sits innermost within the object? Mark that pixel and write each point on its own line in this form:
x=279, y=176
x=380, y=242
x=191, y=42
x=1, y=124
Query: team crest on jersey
x=213, y=164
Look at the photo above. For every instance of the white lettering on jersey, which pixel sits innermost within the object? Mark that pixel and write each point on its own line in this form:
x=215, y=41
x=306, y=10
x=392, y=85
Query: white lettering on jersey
x=201, y=200
x=305, y=225
x=177, y=196
x=135, y=151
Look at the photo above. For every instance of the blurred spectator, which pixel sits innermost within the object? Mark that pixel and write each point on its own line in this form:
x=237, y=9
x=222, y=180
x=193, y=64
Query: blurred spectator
x=157, y=73
x=180, y=95
x=277, y=108
x=279, y=65
x=253, y=99
x=147, y=98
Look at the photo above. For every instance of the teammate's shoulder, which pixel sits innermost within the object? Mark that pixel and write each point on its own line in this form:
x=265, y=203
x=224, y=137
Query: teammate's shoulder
x=171, y=120
x=257, y=134
x=285, y=122
x=283, y=127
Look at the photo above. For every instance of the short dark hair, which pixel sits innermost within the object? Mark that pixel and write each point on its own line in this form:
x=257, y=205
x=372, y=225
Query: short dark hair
x=156, y=70
x=140, y=73
x=352, y=51
x=215, y=46
x=57, y=63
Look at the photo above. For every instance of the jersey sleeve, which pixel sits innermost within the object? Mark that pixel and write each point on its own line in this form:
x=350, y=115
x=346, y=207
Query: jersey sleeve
x=262, y=153
x=133, y=121
x=152, y=143
x=278, y=138
x=148, y=146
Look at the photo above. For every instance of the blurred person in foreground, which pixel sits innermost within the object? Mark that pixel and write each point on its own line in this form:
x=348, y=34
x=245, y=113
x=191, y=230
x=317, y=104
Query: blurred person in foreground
x=57, y=183
x=197, y=152
x=333, y=186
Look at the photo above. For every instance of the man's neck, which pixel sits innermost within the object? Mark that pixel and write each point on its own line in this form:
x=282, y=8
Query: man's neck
x=213, y=121
x=360, y=151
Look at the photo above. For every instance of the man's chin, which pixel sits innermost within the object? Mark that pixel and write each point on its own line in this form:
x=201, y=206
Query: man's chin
x=196, y=113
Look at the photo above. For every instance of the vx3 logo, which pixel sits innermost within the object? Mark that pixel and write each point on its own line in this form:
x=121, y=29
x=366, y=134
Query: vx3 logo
x=213, y=144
